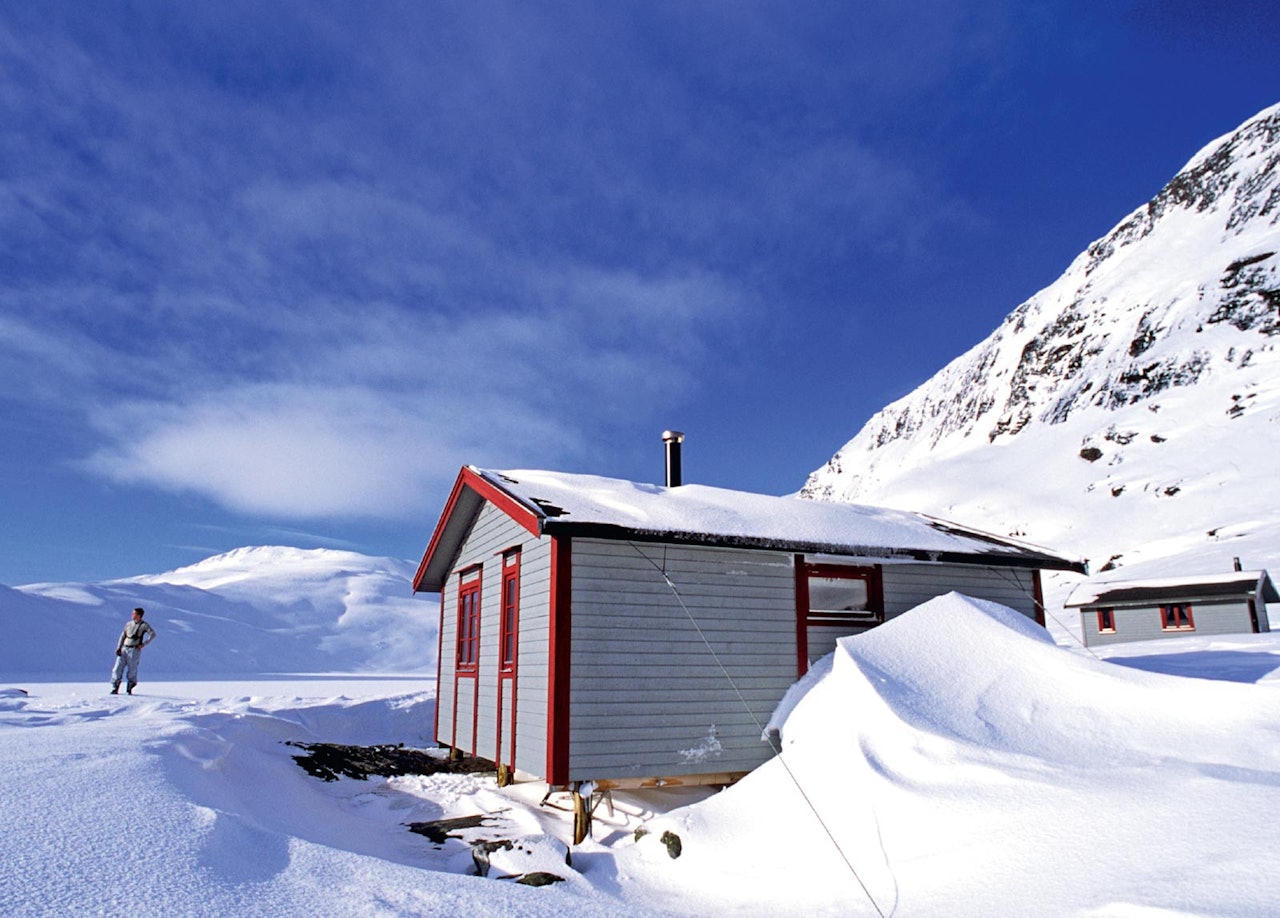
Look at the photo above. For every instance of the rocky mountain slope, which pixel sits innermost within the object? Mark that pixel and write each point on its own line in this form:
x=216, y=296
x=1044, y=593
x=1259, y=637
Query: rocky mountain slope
x=1129, y=412
x=265, y=609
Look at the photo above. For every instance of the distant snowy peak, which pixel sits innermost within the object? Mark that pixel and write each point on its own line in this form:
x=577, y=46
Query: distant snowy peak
x=253, y=564
x=252, y=610
x=1185, y=289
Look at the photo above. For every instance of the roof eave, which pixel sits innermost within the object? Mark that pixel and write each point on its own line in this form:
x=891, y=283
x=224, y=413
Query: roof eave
x=470, y=490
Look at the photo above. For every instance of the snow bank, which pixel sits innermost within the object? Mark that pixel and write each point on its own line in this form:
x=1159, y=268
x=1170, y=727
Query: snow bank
x=959, y=763
x=146, y=806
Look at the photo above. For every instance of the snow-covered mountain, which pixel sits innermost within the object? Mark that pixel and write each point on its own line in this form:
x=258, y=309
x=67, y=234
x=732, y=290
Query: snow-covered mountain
x=264, y=609
x=1129, y=412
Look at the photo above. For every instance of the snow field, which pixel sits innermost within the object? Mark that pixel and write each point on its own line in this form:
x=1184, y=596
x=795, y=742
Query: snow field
x=951, y=762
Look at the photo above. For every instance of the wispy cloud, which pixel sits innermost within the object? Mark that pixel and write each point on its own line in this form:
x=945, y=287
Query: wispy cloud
x=366, y=415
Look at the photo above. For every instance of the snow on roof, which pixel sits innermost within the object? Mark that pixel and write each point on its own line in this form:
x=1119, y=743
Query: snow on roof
x=589, y=504
x=1186, y=589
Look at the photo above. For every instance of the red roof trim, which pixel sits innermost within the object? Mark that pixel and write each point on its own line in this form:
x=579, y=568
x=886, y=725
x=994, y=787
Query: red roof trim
x=468, y=478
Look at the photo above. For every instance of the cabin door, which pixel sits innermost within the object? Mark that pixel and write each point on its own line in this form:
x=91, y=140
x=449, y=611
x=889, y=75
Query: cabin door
x=508, y=647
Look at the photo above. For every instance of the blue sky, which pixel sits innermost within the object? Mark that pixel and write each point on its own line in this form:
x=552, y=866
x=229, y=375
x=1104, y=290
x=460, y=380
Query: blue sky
x=271, y=273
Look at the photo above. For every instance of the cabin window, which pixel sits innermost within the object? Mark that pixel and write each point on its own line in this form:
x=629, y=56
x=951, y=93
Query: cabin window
x=843, y=595
x=510, y=616
x=1107, y=621
x=468, y=620
x=1177, y=617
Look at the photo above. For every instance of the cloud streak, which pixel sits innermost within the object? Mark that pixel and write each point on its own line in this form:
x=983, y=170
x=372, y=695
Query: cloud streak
x=374, y=409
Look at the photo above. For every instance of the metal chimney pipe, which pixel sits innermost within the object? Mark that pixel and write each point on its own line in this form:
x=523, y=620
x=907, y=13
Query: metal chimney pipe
x=675, y=474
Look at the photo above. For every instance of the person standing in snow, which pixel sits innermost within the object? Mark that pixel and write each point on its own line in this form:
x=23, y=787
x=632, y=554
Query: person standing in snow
x=136, y=635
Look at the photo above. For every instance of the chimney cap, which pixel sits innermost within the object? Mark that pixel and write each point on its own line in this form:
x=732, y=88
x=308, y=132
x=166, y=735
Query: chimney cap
x=673, y=436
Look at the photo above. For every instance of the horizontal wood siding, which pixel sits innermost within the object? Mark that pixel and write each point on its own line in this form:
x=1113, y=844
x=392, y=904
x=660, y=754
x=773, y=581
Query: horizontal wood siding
x=464, y=707
x=908, y=585
x=477, y=709
x=822, y=638
x=1145, y=623
x=648, y=697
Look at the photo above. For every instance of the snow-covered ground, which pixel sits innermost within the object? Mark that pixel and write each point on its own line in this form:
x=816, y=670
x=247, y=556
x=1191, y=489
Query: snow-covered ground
x=951, y=762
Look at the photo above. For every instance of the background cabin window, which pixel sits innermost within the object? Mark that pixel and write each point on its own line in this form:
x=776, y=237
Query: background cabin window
x=468, y=620
x=1106, y=620
x=510, y=610
x=1177, y=618
x=842, y=596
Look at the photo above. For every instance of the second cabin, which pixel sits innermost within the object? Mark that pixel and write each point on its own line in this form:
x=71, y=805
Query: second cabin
x=1116, y=611
x=628, y=634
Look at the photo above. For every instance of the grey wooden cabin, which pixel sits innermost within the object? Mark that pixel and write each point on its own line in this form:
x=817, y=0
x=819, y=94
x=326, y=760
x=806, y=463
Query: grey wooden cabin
x=630, y=634
x=1143, y=610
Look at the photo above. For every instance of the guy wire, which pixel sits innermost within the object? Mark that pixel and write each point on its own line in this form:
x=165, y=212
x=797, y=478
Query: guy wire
x=750, y=713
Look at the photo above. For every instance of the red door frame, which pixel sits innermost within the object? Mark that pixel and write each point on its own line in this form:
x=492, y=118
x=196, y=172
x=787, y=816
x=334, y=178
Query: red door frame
x=508, y=624
x=466, y=588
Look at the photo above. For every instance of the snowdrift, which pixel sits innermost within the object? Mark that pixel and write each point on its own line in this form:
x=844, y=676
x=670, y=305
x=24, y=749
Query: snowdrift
x=954, y=761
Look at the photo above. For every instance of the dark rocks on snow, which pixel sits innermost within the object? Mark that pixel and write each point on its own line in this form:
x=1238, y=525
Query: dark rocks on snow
x=330, y=761
x=672, y=841
x=539, y=878
x=1252, y=300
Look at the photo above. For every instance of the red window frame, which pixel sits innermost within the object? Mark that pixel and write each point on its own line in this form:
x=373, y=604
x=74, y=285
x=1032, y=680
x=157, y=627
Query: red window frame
x=1171, y=617
x=872, y=615
x=467, y=655
x=509, y=619
x=1106, y=621
x=806, y=617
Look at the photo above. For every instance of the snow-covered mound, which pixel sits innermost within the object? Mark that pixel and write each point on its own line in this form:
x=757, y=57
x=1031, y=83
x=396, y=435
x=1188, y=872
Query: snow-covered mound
x=252, y=610
x=961, y=764
x=1129, y=412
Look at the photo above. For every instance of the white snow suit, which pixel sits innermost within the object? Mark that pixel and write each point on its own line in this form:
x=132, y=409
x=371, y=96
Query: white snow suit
x=133, y=638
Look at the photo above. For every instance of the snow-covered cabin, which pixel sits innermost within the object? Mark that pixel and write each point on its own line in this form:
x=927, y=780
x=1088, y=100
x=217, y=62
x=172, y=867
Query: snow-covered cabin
x=600, y=630
x=1142, y=610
